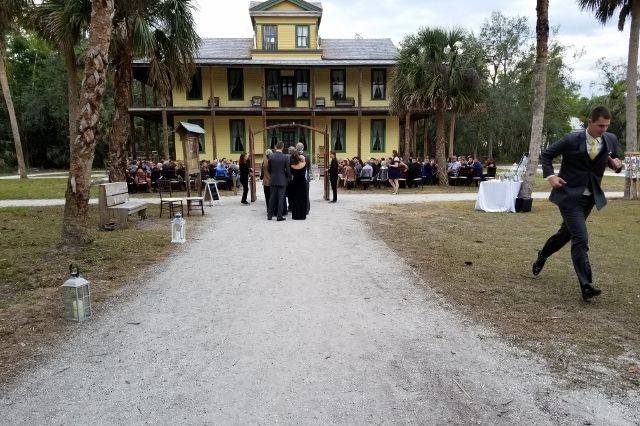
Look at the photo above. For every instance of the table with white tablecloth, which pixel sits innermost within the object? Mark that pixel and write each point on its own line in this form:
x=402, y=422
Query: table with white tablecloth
x=497, y=196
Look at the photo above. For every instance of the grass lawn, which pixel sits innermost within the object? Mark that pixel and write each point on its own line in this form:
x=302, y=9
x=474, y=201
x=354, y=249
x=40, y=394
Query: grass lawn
x=32, y=267
x=609, y=183
x=51, y=188
x=482, y=263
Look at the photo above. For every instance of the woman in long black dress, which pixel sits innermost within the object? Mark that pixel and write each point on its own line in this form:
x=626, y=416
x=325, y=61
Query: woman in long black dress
x=298, y=188
x=245, y=169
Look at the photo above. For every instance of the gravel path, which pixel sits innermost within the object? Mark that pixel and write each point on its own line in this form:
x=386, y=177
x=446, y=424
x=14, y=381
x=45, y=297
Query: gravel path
x=300, y=322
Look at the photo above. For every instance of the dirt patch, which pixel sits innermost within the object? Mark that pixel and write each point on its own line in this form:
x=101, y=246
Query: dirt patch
x=482, y=263
x=33, y=266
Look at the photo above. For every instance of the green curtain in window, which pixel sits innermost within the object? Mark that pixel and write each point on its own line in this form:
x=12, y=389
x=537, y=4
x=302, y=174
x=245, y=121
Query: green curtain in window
x=237, y=132
x=377, y=135
x=338, y=134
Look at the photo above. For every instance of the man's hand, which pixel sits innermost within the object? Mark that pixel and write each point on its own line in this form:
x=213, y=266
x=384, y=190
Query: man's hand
x=615, y=164
x=556, y=182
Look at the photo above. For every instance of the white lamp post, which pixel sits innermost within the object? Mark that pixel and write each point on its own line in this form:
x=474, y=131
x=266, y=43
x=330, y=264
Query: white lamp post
x=178, y=225
x=77, y=296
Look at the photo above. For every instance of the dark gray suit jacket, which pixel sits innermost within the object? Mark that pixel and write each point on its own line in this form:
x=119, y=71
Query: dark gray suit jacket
x=577, y=168
x=279, y=167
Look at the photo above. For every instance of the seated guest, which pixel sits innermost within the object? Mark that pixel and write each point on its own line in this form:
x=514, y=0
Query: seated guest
x=416, y=167
x=426, y=172
x=491, y=169
x=477, y=168
x=156, y=172
x=375, y=164
x=142, y=179
x=367, y=171
x=221, y=171
x=358, y=167
x=222, y=174
x=349, y=175
x=408, y=173
x=455, y=167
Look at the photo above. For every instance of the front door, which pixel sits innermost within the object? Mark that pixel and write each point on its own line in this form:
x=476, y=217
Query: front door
x=287, y=100
x=288, y=138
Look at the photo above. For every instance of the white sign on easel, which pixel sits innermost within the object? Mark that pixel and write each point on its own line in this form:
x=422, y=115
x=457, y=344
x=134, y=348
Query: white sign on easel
x=211, y=193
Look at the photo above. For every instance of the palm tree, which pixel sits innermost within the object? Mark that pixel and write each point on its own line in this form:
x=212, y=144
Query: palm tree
x=539, y=96
x=436, y=73
x=75, y=224
x=10, y=11
x=63, y=23
x=162, y=31
x=604, y=11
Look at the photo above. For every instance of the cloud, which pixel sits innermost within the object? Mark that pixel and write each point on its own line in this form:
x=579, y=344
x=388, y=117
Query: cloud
x=396, y=18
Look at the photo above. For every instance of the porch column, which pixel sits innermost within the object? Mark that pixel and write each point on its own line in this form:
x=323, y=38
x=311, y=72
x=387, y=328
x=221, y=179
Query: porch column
x=165, y=129
x=145, y=122
x=360, y=113
x=312, y=98
x=263, y=106
x=214, y=143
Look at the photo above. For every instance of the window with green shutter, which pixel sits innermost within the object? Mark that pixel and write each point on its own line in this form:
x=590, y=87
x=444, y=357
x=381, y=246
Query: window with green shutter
x=270, y=37
x=302, y=36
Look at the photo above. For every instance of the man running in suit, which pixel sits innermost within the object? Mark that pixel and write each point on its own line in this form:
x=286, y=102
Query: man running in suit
x=576, y=189
x=280, y=172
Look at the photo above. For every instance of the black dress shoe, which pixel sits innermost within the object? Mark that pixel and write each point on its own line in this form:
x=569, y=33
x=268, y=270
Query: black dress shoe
x=590, y=291
x=269, y=217
x=537, y=266
x=280, y=219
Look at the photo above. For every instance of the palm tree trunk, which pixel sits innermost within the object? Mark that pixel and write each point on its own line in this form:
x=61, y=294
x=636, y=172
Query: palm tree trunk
x=4, y=84
x=75, y=224
x=441, y=160
x=632, y=78
x=631, y=106
x=72, y=92
x=452, y=132
x=407, y=135
x=490, y=148
x=165, y=129
x=120, y=127
x=425, y=139
x=539, y=96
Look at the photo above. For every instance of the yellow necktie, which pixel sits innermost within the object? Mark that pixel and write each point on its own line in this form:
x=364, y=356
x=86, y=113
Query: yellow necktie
x=593, y=148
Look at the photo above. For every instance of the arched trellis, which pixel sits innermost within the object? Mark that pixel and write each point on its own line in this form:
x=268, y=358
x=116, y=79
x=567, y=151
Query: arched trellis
x=324, y=132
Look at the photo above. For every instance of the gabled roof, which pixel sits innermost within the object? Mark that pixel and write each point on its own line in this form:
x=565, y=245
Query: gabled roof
x=189, y=127
x=361, y=49
x=225, y=48
x=259, y=6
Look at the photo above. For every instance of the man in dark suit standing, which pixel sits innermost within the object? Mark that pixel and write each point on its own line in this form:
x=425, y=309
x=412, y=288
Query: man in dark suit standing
x=576, y=189
x=333, y=176
x=280, y=171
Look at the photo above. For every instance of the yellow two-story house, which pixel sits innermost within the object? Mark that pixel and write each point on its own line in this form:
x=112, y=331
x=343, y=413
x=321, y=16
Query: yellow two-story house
x=287, y=74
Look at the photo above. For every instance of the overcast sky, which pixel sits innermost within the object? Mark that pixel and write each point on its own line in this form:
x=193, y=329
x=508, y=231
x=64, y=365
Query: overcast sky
x=396, y=18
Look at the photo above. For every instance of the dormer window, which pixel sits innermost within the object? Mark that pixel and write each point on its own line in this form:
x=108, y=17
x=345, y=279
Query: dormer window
x=270, y=37
x=302, y=36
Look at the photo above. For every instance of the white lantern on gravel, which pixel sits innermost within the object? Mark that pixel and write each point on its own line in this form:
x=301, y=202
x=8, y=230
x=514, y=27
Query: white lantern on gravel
x=77, y=296
x=178, y=225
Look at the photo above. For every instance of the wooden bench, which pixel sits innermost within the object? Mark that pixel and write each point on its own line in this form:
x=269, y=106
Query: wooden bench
x=114, y=201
